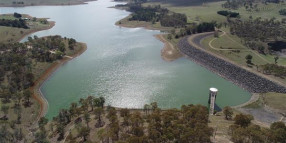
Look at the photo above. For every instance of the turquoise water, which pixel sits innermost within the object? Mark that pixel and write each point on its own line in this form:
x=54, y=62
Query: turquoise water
x=122, y=64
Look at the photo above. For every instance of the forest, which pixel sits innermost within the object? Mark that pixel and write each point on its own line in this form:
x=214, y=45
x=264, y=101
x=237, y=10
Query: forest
x=156, y=14
x=18, y=64
x=248, y=4
x=17, y=59
x=149, y=125
x=256, y=33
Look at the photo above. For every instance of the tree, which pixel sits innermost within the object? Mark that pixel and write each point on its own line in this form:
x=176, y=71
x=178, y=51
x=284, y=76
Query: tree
x=42, y=122
x=18, y=134
x=227, y=111
x=27, y=95
x=96, y=102
x=90, y=101
x=5, y=110
x=19, y=97
x=169, y=36
x=243, y=120
x=248, y=59
x=279, y=132
x=276, y=59
x=277, y=125
x=154, y=105
x=84, y=104
x=73, y=109
x=101, y=134
x=124, y=112
x=84, y=133
x=98, y=112
x=86, y=118
x=101, y=101
x=61, y=131
x=40, y=137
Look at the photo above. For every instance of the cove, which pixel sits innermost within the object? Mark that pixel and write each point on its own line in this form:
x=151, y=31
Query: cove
x=122, y=64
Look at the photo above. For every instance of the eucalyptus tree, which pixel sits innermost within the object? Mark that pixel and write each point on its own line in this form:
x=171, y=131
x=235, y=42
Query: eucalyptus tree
x=27, y=95
x=102, y=101
x=5, y=109
x=98, y=113
x=90, y=101
x=86, y=117
x=227, y=111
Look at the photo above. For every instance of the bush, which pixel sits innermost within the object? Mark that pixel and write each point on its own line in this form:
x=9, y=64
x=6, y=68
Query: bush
x=17, y=15
x=282, y=12
x=228, y=13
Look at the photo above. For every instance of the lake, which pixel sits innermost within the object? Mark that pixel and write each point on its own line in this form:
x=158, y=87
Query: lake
x=122, y=64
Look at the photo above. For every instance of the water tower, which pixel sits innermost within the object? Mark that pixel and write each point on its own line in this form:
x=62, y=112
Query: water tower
x=212, y=97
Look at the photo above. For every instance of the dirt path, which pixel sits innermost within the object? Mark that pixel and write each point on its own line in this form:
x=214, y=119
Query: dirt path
x=225, y=34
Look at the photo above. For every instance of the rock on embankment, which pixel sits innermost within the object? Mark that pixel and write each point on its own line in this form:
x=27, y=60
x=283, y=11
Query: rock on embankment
x=239, y=76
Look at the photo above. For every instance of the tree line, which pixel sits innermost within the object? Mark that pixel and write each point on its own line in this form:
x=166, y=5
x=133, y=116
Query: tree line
x=151, y=124
x=18, y=23
x=193, y=29
x=248, y=4
x=242, y=131
x=257, y=32
x=156, y=14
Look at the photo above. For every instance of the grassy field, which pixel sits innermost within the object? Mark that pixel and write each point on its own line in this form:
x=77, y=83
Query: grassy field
x=227, y=46
x=198, y=11
x=275, y=101
x=40, y=2
x=12, y=34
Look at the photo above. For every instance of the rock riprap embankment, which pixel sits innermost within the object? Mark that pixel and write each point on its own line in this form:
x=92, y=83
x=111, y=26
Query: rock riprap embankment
x=239, y=76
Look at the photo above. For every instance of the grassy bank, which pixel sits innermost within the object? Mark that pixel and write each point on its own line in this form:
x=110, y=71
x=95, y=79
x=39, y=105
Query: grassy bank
x=13, y=34
x=272, y=100
x=42, y=71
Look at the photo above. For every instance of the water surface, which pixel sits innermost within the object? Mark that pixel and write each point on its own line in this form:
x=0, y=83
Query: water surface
x=122, y=64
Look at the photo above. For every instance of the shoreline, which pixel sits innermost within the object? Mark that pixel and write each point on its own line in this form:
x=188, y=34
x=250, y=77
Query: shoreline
x=51, y=25
x=64, y=4
x=168, y=52
x=37, y=94
x=40, y=99
x=166, y=48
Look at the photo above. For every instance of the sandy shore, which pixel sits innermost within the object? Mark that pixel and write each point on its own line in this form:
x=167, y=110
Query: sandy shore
x=38, y=83
x=169, y=52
